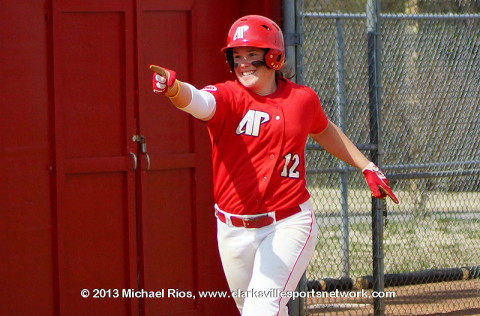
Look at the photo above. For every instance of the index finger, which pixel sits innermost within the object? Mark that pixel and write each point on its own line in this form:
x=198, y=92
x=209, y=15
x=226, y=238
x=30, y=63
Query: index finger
x=390, y=195
x=156, y=69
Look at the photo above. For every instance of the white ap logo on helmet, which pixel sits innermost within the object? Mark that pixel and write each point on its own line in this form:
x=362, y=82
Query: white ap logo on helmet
x=239, y=32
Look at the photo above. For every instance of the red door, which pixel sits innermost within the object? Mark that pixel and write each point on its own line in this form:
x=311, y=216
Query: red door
x=177, y=225
x=93, y=60
x=130, y=215
x=168, y=212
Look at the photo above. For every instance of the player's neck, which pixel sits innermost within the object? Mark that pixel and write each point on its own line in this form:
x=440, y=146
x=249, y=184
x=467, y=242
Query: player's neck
x=265, y=89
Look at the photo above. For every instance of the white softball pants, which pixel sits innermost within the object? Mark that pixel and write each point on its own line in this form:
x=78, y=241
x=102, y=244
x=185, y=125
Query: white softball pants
x=267, y=260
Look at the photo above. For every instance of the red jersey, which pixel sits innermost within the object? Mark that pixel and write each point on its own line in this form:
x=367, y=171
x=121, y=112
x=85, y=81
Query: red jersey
x=258, y=145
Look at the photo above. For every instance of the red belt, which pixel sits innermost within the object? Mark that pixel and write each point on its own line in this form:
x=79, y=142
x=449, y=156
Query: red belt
x=259, y=221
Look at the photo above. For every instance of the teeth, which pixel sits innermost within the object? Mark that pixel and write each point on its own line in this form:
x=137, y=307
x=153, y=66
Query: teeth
x=248, y=73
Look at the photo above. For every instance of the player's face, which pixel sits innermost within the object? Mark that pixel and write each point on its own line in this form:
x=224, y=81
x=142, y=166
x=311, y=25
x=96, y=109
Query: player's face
x=251, y=70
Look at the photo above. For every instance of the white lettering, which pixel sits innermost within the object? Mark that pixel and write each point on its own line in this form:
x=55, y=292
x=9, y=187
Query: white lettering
x=291, y=170
x=250, y=123
x=239, y=32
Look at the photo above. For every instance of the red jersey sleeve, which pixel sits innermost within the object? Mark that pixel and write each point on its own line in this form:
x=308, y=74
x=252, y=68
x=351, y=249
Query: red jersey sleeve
x=223, y=100
x=320, y=120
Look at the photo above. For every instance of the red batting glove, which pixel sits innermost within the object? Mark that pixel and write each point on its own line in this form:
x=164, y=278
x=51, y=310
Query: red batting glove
x=378, y=183
x=163, y=79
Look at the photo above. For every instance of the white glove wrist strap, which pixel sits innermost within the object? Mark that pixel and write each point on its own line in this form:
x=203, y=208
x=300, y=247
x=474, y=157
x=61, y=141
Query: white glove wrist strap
x=369, y=166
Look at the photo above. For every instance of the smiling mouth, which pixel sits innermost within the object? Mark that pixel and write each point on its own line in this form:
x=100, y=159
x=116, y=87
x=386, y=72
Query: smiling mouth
x=248, y=73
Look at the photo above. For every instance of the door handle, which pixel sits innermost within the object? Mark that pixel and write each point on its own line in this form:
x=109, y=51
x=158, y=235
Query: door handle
x=148, y=161
x=135, y=161
x=143, y=146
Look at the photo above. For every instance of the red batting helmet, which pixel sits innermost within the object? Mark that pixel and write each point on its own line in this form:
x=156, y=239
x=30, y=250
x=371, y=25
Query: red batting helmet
x=261, y=32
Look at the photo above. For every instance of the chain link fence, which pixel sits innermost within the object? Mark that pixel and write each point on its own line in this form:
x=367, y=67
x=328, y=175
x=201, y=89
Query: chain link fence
x=428, y=145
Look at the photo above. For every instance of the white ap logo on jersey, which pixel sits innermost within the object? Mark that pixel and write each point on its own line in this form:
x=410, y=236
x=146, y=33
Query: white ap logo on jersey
x=239, y=32
x=250, y=123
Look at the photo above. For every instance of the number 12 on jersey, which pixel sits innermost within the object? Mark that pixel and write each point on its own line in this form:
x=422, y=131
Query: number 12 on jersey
x=290, y=166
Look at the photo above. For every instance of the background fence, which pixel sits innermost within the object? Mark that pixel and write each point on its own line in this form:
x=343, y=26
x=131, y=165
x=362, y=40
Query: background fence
x=428, y=145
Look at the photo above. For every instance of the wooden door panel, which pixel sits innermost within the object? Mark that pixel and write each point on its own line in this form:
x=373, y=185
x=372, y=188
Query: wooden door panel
x=27, y=230
x=92, y=83
x=168, y=188
x=94, y=224
x=159, y=120
x=168, y=233
x=93, y=49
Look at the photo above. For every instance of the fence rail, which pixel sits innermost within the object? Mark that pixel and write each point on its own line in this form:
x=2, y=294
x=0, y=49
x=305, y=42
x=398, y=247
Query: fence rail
x=321, y=15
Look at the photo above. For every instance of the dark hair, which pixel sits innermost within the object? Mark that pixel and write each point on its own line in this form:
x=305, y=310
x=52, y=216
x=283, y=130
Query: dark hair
x=285, y=72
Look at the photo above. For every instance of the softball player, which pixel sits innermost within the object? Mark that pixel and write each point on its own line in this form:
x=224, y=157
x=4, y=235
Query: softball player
x=258, y=126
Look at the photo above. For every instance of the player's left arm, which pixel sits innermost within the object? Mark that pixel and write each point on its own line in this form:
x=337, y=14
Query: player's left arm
x=334, y=141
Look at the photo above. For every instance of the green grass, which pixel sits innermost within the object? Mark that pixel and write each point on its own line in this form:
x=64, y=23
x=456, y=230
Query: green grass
x=410, y=244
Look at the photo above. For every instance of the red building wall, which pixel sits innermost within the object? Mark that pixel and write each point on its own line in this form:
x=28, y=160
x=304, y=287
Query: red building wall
x=75, y=213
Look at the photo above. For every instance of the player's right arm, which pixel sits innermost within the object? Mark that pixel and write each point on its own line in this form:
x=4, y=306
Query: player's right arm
x=334, y=141
x=200, y=104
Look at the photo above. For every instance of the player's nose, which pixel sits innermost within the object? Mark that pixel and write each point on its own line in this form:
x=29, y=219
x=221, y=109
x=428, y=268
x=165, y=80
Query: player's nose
x=244, y=61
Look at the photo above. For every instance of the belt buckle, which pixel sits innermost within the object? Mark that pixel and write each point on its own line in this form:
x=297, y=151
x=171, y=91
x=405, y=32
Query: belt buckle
x=254, y=222
x=247, y=222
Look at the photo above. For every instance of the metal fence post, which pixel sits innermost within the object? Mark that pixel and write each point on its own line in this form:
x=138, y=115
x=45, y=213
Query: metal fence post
x=374, y=93
x=299, y=30
x=292, y=40
x=302, y=286
x=289, y=33
x=341, y=112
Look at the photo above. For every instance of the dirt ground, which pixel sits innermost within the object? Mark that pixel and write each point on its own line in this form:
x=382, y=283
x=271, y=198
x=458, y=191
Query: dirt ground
x=446, y=298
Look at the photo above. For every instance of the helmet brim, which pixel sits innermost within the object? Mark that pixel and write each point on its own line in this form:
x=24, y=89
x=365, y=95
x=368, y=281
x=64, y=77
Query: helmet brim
x=244, y=44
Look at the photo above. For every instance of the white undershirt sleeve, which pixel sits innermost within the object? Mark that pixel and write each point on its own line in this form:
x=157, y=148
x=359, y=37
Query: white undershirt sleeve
x=203, y=103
